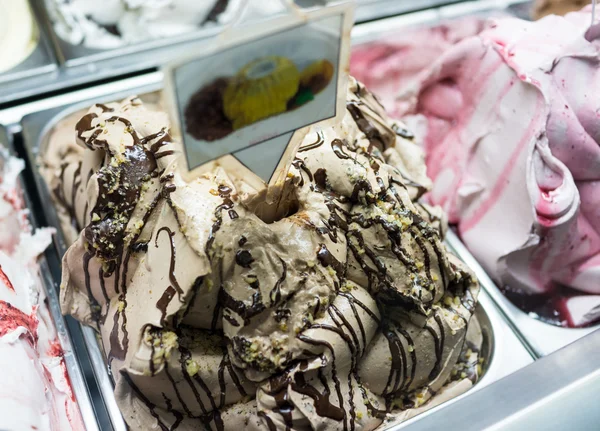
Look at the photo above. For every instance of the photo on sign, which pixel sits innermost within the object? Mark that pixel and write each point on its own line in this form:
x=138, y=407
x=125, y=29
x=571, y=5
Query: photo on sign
x=256, y=91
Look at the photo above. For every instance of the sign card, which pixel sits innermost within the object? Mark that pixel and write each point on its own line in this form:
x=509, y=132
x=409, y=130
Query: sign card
x=256, y=91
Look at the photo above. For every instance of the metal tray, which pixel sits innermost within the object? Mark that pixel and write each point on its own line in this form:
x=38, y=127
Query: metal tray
x=375, y=30
x=41, y=61
x=542, y=338
x=558, y=392
x=161, y=49
x=505, y=354
x=76, y=374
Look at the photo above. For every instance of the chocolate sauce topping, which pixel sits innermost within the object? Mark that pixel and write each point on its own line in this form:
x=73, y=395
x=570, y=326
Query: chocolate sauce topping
x=119, y=191
x=243, y=258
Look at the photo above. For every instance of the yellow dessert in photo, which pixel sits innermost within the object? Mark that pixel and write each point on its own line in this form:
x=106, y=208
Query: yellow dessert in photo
x=261, y=89
x=317, y=75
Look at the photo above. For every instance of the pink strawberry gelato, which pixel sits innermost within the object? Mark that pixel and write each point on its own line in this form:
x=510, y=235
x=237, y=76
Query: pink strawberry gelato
x=513, y=144
x=35, y=389
x=386, y=66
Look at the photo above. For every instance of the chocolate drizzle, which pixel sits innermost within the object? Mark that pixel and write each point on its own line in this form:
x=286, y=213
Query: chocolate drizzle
x=149, y=405
x=300, y=165
x=371, y=132
x=321, y=178
x=186, y=409
x=118, y=348
x=245, y=311
x=268, y=421
x=94, y=306
x=320, y=140
x=178, y=415
x=104, y=293
x=338, y=148
x=172, y=277
x=225, y=194
x=85, y=125
x=399, y=378
x=243, y=258
x=59, y=194
x=334, y=376
x=184, y=357
x=283, y=404
x=164, y=302
x=323, y=405
x=104, y=108
x=439, y=346
x=119, y=187
x=275, y=295
x=327, y=259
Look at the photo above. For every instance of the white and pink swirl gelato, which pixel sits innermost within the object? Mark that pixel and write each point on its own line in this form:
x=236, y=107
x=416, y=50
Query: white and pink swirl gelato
x=35, y=389
x=512, y=137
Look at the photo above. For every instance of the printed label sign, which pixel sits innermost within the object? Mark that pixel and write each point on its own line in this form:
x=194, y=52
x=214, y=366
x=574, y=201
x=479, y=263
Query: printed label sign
x=249, y=96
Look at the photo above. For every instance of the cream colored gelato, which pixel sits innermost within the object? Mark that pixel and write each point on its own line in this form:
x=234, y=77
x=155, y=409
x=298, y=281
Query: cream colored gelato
x=18, y=33
x=121, y=22
x=338, y=308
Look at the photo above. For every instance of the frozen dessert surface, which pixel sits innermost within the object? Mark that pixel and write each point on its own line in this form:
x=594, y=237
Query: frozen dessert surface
x=391, y=63
x=541, y=8
x=35, y=390
x=513, y=146
x=338, y=307
x=122, y=22
x=18, y=33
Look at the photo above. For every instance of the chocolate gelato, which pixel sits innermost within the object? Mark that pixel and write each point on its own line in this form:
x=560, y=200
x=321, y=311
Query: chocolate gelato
x=338, y=308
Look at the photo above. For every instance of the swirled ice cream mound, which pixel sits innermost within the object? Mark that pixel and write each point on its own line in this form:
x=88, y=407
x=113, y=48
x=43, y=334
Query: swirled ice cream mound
x=337, y=308
x=512, y=144
x=388, y=65
x=35, y=390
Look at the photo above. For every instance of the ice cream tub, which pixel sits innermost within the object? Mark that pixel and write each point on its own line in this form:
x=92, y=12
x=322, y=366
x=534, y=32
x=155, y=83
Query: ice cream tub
x=23, y=44
x=503, y=352
x=81, y=39
x=444, y=28
x=76, y=375
x=542, y=338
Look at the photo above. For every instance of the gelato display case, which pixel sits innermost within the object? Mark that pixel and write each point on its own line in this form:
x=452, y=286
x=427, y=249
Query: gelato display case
x=384, y=312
